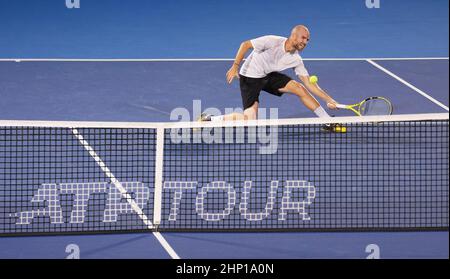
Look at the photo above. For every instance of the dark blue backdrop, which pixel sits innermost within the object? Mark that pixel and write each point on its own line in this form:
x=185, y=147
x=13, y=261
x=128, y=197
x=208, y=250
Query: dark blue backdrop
x=211, y=28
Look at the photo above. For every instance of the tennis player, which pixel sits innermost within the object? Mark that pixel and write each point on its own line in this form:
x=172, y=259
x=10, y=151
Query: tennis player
x=261, y=71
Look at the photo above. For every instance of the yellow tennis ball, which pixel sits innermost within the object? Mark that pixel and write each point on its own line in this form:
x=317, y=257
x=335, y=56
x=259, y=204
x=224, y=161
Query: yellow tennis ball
x=313, y=79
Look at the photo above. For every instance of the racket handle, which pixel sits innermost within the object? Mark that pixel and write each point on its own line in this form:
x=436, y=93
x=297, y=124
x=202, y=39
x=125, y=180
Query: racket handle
x=341, y=106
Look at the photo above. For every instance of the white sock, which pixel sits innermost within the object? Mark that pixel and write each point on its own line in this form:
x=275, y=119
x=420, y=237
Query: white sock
x=217, y=118
x=320, y=112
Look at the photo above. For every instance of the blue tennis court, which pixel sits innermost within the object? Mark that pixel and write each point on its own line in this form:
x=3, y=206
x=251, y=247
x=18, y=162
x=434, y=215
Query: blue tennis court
x=144, y=61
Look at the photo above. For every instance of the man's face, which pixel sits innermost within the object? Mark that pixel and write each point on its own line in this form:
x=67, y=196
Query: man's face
x=301, y=39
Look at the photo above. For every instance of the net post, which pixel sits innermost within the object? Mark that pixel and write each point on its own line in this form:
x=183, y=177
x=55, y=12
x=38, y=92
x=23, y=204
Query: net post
x=159, y=161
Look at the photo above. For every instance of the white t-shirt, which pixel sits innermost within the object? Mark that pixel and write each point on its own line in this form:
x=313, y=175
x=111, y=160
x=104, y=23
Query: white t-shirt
x=268, y=56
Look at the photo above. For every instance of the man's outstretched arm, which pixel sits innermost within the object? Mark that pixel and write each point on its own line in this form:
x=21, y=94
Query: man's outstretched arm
x=316, y=90
x=233, y=71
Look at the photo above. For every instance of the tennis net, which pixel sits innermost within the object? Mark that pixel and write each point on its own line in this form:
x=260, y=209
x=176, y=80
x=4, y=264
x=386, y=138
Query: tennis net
x=383, y=174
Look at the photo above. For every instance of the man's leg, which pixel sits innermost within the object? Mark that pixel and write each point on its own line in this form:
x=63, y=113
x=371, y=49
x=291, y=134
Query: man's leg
x=310, y=102
x=250, y=113
x=250, y=89
x=296, y=88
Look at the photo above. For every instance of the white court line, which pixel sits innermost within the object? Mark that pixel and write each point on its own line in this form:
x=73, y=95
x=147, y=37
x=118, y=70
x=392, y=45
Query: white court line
x=373, y=58
x=412, y=58
x=408, y=84
x=150, y=108
x=124, y=193
x=201, y=59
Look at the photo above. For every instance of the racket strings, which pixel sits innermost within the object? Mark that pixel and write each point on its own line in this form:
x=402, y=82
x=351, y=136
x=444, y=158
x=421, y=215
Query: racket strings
x=376, y=107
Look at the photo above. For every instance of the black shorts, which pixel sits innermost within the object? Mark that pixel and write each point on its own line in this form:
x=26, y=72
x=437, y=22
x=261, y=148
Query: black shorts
x=251, y=87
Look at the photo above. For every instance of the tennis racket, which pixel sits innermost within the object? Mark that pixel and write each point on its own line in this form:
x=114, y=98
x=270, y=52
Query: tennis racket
x=370, y=106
